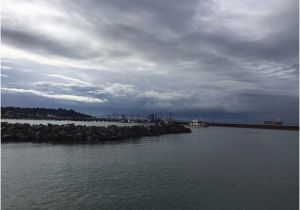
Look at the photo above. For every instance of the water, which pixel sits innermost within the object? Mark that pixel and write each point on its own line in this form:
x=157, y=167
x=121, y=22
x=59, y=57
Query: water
x=211, y=168
x=62, y=122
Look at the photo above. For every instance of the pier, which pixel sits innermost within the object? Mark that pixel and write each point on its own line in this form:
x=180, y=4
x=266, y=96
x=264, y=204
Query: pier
x=259, y=126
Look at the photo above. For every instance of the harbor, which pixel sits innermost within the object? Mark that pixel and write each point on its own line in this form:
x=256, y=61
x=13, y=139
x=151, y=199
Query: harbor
x=71, y=116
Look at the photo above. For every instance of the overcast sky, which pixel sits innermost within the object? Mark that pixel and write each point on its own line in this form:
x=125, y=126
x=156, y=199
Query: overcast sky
x=208, y=58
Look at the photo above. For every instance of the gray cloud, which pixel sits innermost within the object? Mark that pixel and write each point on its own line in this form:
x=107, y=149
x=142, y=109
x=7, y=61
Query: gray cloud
x=39, y=43
x=204, y=56
x=55, y=96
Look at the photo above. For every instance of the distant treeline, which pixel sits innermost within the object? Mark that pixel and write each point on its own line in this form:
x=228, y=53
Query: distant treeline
x=42, y=113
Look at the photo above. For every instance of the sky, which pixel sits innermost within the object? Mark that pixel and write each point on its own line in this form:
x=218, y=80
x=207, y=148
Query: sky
x=209, y=59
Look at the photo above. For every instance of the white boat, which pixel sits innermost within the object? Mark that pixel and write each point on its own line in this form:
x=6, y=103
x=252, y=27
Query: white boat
x=197, y=122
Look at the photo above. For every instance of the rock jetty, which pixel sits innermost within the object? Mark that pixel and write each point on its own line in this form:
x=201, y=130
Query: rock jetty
x=69, y=133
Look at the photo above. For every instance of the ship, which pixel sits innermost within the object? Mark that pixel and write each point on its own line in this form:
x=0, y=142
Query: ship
x=197, y=122
x=278, y=121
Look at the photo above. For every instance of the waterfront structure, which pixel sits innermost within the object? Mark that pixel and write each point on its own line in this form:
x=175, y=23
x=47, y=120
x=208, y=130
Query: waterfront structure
x=197, y=122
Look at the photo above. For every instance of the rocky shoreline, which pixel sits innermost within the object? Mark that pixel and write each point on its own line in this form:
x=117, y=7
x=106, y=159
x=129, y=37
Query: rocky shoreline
x=69, y=133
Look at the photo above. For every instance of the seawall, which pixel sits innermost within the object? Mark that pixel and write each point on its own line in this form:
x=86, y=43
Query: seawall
x=276, y=127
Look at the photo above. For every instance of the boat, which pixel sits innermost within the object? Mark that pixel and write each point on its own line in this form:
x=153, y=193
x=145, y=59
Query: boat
x=199, y=123
x=278, y=121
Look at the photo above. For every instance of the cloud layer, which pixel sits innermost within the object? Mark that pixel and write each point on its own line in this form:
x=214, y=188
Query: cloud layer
x=131, y=56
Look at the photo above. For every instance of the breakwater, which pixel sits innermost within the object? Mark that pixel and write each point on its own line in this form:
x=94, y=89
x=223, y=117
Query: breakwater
x=69, y=133
x=276, y=127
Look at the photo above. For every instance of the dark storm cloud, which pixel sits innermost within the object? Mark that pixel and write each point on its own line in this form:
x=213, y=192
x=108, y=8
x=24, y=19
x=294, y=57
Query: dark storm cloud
x=204, y=56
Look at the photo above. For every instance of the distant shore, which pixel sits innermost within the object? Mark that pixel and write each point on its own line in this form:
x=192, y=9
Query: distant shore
x=18, y=113
x=60, y=114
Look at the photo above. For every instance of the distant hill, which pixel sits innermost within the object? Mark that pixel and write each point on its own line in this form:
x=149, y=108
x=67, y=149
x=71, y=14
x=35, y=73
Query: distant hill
x=42, y=113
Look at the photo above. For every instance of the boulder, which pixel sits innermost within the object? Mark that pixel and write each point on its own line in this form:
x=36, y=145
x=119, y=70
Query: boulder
x=70, y=133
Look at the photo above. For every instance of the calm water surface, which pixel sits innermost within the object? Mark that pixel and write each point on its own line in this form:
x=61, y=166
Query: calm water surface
x=62, y=122
x=211, y=168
